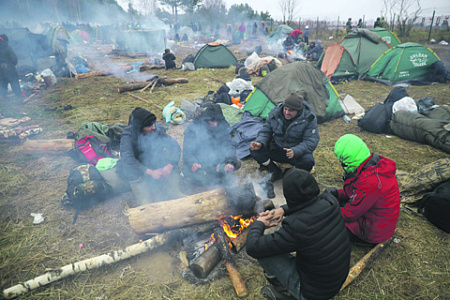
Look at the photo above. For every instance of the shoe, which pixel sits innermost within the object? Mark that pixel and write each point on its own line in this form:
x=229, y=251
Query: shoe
x=262, y=168
x=276, y=172
x=269, y=292
x=270, y=190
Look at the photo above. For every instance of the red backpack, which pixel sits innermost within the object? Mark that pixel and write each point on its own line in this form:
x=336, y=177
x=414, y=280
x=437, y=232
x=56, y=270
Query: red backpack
x=90, y=150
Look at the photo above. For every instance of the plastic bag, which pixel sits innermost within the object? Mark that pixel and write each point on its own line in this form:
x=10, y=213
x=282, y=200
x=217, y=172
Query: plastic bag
x=406, y=104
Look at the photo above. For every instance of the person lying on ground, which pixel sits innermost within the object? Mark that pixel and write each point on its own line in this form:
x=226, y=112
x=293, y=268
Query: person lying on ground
x=314, y=229
x=370, y=197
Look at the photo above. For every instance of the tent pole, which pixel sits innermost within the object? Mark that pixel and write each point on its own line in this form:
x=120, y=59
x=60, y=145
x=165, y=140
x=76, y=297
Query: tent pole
x=431, y=26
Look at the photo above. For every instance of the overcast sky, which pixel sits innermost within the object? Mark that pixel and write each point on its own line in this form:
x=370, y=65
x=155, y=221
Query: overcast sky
x=331, y=9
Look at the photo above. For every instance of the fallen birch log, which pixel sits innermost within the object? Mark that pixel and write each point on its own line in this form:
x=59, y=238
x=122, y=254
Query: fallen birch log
x=233, y=272
x=364, y=262
x=140, y=85
x=91, y=263
x=46, y=146
x=143, y=68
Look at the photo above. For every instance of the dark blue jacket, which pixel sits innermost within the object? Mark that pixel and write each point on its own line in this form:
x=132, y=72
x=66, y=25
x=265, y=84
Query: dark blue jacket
x=302, y=135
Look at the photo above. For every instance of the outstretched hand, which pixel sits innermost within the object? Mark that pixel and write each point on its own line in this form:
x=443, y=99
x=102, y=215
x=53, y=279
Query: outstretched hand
x=271, y=218
x=255, y=146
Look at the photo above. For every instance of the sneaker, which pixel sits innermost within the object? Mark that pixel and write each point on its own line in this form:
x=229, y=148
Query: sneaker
x=276, y=172
x=270, y=190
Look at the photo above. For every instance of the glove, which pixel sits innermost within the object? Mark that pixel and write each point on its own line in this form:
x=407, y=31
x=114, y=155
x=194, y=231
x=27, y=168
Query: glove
x=332, y=191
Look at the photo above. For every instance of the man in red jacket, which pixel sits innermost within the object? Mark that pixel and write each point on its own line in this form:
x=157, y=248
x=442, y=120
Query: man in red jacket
x=370, y=198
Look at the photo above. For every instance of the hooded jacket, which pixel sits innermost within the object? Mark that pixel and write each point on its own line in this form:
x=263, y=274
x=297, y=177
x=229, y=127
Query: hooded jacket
x=209, y=145
x=374, y=198
x=140, y=152
x=302, y=134
x=314, y=229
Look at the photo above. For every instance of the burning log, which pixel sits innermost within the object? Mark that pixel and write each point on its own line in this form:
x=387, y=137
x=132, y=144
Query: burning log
x=46, y=146
x=202, y=266
x=233, y=272
x=190, y=210
x=92, y=263
x=364, y=262
x=140, y=85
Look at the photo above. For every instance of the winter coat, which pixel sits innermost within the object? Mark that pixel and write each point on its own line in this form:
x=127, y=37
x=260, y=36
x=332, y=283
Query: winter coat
x=169, y=58
x=139, y=152
x=374, y=206
x=302, y=134
x=314, y=52
x=208, y=145
x=8, y=58
x=316, y=232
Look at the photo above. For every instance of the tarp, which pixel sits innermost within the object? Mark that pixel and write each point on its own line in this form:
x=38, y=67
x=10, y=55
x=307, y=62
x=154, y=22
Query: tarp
x=300, y=77
x=353, y=56
x=214, y=55
x=408, y=62
x=79, y=36
x=387, y=35
x=28, y=47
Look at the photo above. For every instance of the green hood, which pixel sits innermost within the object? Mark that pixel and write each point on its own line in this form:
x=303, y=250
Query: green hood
x=351, y=151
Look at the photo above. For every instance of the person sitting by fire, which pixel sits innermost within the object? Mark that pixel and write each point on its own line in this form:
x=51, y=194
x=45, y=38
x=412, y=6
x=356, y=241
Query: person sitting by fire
x=290, y=135
x=149, y=161
x=314, y=51
x=297, y=35
x=314, y=229
x=208, y=153
x=169, y=59
x=370, y=198
x=288, y=43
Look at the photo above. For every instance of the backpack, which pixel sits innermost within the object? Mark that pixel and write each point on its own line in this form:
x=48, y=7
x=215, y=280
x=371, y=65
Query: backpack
x=85, y=187
x=89, y=150
x=435, y=206
x=190, y=58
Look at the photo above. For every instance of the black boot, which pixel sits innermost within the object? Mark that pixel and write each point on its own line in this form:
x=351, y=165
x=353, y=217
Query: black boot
x=270, y=190
x=276, y=289
x=276, y=172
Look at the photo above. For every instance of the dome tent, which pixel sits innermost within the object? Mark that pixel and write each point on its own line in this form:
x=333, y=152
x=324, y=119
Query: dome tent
x=214, y=55
x=408, y=63
x=353, y=56
x=300, y=77
x=387, y=35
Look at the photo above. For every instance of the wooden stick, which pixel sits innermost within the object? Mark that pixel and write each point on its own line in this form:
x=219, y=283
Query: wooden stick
x=48, y=146
x=91, y=263
x=148, y=85
x=29, y=98
x=139, y=98
x=364, y=262
x=215, y=79
x=154, y=84
x=233, y=272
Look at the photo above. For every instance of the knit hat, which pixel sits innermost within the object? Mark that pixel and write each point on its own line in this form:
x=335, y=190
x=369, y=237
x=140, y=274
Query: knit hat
x=213, y=112
x=167, y=50
x=294, y=101
x=351, y=151
x=142, y=118
x=299, y=186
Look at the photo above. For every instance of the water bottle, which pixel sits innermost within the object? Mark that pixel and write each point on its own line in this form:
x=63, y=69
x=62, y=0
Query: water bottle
x=346, y=119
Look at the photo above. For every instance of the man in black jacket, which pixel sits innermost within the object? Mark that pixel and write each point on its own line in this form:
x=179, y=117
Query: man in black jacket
x=169, y=59
x=314, y=230
x=8, y=72
x=149, y=159
x=290, y=135
x=208, y=152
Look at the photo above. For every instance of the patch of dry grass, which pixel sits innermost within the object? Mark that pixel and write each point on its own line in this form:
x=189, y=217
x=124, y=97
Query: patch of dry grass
x=418, y=267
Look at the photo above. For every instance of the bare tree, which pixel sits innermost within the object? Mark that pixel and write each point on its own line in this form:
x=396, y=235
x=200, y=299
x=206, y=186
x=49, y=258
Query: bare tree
x=288, y=9
x=406, y=12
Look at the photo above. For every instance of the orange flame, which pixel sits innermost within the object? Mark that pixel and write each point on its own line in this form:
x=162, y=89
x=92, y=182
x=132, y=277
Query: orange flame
x=232, y=231
x=291, y=52
x=208, y=244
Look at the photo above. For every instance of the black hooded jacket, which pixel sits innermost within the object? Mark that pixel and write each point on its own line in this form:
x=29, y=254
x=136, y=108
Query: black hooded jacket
x=314, y=229
x=8, y=58
x=140, y=152
x=209, y=145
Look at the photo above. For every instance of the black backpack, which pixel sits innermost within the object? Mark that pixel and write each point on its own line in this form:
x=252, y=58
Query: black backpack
x=85, y=188
x=377, y=118
x=435, y=206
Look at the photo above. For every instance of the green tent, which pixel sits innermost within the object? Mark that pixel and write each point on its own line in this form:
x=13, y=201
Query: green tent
x=279, y=33
x=300, y=77
x=387, y=35
x=214, y=55
x=408, y=62
x=353, y=56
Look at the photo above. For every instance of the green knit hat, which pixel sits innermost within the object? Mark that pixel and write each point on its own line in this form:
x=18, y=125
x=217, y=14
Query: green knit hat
x=351, y=151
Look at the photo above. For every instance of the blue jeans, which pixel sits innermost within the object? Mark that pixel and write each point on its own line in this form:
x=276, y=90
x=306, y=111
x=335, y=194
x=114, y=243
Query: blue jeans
x=283, y=268
x=305, y=162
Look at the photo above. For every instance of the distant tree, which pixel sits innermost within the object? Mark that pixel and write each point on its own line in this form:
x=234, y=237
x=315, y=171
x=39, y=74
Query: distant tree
x=288, y=9
x=213, y=11
x=265, y=16
x=174, y=5
x=242, y=11
x=406, y=12
x=191, y=5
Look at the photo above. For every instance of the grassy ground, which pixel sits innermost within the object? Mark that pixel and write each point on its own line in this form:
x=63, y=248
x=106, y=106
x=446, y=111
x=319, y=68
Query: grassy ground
x=417, y=267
